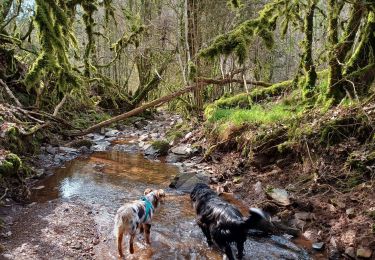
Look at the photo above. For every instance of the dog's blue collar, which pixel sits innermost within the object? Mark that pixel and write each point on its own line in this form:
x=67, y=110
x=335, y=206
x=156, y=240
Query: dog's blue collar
x=149, y=207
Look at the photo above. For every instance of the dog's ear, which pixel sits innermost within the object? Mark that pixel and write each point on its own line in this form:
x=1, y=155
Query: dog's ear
x=147, y=191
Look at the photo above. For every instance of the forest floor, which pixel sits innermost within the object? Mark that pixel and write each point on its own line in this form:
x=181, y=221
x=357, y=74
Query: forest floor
x=71, y=228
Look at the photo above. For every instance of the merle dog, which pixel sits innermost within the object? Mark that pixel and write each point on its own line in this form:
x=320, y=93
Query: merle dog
x=136, y=214
x=221, y=222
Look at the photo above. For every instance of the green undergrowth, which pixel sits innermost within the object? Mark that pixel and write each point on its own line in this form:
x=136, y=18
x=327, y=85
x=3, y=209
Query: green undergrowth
x=257, y=114
x=10, y=165
x=161, y=146
x=88, y=118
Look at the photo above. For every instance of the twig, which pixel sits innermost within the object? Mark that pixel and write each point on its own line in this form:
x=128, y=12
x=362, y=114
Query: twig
x=10, y=93
x=59, y=105
x=36, y=128
x=5, y=193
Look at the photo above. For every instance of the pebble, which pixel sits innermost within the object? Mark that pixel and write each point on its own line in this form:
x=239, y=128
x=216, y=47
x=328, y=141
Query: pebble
x=350, y=251
x=364, y=252
x=318, y=246
x=350, y=212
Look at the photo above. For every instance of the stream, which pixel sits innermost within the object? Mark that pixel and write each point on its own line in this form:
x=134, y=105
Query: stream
x=72, y=211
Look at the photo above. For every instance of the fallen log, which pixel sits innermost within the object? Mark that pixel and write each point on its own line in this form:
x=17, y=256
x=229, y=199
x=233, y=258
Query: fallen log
x=136, y=111
x=202, y=82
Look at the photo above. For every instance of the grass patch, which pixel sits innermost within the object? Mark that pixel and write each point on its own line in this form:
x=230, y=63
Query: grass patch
x=257, y=114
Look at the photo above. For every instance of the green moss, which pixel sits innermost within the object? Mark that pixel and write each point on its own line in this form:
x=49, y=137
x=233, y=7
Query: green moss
x=89, y=117
x=10, y=165
x=354, y=180
x=360, y=161
x=340, y=129
x=14, y=141
x=270, y=113
x=237, y=40
x=371, y=214
x=177, y=132
x=245, y=100
x=286, y=146
x=161, y=146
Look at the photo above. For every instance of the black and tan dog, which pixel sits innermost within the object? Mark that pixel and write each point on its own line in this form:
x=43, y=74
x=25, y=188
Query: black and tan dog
x=136, y=214
x=221, y=222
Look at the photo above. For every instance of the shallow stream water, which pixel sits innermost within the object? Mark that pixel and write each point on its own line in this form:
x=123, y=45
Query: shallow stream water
x=104, y=181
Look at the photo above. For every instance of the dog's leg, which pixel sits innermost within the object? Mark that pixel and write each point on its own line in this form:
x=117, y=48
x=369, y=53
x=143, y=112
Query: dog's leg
x=228, y=252
x=120, y=235
x=147, y=228
x=141, y=229
x=225, y=247
x=240, y=249
x=206, y=232
x=131, y=242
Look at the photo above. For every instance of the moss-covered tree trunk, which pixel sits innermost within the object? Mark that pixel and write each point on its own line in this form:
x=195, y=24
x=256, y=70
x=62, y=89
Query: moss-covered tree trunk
x=362, y=61
x=339, y=50
x=192, y=39
x=308, y=62
x=335, y=72
x=4, y=11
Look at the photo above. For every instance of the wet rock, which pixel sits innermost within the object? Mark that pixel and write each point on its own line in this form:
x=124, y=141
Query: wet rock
x=60, y=158
x=350, y=251
x=140, y=124
x=185, y=181
x=174, y=158
x=101, y=146
x=364, y=252
x=155, y=135
x=80, y=143
x=84, y=150
x=112, y=133
x=52, y=150
x=182, y=150
x=350, y=212
x=64, y=149
x=318, y=246
x=143, y=137
x=281, y=196
x=160, y=147
x=97, y=137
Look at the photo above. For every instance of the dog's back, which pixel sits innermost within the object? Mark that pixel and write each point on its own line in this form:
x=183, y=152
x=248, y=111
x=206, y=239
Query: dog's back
x=125, y=219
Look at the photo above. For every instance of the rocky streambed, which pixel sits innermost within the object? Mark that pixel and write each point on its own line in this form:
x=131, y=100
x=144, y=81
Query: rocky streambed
x=81, y=184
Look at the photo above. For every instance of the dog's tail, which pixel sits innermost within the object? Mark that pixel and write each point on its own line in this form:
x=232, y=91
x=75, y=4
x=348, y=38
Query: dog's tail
x=258, y=220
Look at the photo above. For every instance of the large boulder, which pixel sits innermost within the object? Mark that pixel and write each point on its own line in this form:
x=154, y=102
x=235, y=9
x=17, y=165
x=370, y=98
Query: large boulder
x=185, y=181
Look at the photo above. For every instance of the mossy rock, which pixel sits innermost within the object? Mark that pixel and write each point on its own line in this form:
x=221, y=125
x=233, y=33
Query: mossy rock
x=161, y=146
x=80, y=143
x=10, y=165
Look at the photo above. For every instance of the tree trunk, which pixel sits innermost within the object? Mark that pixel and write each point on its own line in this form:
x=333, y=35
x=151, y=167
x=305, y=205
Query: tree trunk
x=308, y=62
x=339, y=50
x=157, y=102
x=366, y=46
x=192, y=39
